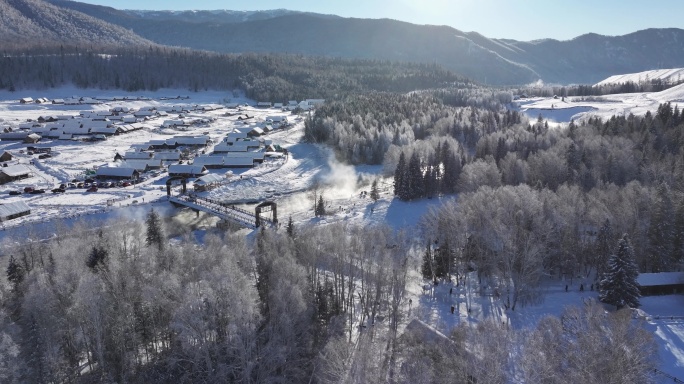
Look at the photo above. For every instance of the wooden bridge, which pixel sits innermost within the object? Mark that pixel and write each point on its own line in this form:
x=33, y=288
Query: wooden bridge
x=227, y=211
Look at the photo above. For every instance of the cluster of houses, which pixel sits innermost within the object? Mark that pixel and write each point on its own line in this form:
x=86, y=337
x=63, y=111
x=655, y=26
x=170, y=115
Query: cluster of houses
x=292, y=105
x=241, y=148
x=98, y=125
x=153, y=155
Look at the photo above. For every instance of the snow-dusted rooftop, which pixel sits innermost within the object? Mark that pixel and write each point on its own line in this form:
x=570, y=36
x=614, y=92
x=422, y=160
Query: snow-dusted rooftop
x=11, y=209
x=662, y=278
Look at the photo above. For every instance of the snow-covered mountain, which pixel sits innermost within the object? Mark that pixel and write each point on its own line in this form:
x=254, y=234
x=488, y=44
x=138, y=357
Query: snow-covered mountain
x=222, y=16
x=586, y=59
x=38, y=22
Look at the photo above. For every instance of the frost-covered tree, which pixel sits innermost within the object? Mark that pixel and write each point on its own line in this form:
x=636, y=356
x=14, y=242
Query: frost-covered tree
x=619, y=284
x=604, y=245
x=661, y=231
x=588, y=345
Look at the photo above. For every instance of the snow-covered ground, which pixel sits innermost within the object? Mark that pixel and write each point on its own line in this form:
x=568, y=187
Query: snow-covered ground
x=578, y=108
x=432, y=304
x=667, y=75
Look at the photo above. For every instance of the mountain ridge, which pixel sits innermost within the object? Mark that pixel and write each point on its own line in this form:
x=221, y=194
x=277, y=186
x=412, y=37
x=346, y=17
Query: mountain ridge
x=586, y=59
x=35, y=22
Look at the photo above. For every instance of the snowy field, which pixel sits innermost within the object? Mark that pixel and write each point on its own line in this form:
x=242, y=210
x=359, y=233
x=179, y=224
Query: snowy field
x=288, y=182
x=667, y=75
x=558, y=111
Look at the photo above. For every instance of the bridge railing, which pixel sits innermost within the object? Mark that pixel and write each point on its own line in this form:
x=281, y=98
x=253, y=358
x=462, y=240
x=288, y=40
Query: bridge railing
x=242, y=216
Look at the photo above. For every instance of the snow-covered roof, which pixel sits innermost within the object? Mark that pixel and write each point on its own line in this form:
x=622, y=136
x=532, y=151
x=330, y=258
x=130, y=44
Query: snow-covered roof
x=141, y=164
x=13, y=135
x=230, y=162
x=11, y=209
x=105, y=130
x=208, y=160
x=15, y=170
x=208, y=179
x=662, y=278
x=257, y=131
x=167, y=156
x=187, y=140
x=137, y=155
x=253, y=155
x=237, y=135
x=187, y=169
x=116, y=171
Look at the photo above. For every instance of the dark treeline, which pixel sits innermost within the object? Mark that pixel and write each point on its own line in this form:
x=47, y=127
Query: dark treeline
x=645, y=85
x=271, y=77
x=312, y=304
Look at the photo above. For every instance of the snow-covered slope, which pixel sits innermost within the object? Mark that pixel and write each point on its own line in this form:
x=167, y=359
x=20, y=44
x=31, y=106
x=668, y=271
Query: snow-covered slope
x=577, y=108
x=666, y=75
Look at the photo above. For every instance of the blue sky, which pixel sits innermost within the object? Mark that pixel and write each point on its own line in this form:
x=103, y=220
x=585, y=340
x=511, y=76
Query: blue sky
x=520, y=20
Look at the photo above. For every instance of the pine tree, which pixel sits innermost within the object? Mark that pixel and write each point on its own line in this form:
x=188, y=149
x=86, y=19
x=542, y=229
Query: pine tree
x=15, y=273
x=619, y=285
x=604, y=241
x=400, y=178
x=661, y=231
x=155, y=234
x=443, y=261
x=678, y=236
x=97, y=258
x=290, y=228
x=375, y=192
x=416, y=182
x=426, y=268
x=430, y=182
x=452, y=171
x=320, y=207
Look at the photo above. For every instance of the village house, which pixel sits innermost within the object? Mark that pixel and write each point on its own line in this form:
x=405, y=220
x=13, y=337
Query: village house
x=663, y=283
x=187, y=170
x=217, y=162
x=117, y=173
x=192, y=141
x=207, y=182
x=137, y=155
x=14, y=172
x=26, y=137
x=142, y=165
x=167, y=157
x=5, y=156
x=14, y=210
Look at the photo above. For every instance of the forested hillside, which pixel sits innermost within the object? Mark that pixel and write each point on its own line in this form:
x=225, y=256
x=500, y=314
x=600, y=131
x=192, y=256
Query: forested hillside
x=585, y=59
x=555, y=200
x=268, y=77
x=121, y=304
x=35, y=22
